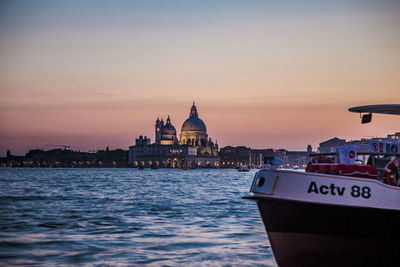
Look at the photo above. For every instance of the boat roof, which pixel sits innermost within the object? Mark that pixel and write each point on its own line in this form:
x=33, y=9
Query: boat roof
x=393, y=109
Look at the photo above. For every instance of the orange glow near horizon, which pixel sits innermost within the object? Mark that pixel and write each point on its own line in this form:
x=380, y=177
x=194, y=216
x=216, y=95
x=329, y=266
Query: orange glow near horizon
x=264, y=76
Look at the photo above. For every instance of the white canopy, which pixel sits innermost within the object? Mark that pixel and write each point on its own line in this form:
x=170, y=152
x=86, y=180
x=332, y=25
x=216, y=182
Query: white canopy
x=384, y=109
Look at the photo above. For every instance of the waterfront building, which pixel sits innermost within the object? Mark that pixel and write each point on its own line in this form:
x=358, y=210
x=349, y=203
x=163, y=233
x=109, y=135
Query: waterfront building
x=194, y=149
x=395, y=136
x=234, y=157
x=296, y=159
x=57, y=158
x=258, y=155
x=329, y=146
x=291, y=159
x=389, y=144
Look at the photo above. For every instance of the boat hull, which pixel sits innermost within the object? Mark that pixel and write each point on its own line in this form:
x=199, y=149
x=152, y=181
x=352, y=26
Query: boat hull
x=310, y=234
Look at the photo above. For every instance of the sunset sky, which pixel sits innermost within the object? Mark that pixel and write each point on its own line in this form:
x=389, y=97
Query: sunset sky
x=265, y=74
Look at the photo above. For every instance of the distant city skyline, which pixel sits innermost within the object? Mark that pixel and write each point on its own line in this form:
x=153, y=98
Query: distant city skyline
x=264, y=74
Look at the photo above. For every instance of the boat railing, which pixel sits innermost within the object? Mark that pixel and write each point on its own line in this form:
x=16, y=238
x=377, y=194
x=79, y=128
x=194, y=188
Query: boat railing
x=359, y=153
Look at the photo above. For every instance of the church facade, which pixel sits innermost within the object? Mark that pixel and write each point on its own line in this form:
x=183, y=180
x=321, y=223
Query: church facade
x=192, y=150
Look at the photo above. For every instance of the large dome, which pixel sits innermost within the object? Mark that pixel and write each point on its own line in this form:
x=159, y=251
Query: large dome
x=194, y=124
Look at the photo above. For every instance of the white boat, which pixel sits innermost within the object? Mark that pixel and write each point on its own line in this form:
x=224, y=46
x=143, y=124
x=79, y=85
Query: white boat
x=244, y=168
x=344, y=216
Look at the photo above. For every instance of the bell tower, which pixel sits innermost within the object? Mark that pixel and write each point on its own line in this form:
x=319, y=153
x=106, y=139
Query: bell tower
x=158, y=131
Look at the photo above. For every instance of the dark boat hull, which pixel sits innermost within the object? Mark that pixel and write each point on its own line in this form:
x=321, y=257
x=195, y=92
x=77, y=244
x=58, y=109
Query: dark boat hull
x=313, y=234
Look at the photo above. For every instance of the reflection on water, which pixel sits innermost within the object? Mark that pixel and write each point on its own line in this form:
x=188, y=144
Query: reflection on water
x=130, y=217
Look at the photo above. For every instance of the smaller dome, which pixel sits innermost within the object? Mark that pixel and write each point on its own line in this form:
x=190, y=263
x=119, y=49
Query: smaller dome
x=168, y=129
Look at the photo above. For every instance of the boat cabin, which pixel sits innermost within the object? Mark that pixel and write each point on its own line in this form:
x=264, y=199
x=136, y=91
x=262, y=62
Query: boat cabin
x=373, y=168
x=384, y=167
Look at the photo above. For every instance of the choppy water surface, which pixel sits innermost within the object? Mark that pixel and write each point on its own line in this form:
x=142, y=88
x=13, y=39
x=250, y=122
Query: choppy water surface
x=130, y=217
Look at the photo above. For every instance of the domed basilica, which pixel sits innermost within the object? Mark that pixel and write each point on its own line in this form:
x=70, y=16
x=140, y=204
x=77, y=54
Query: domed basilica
x=193, y=149
x=193, y=133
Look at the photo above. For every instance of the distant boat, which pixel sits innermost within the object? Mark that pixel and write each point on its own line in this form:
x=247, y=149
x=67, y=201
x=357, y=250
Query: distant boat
x=244, y=168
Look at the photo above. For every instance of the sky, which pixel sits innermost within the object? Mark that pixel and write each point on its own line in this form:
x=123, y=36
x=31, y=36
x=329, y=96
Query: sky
x=264, y=74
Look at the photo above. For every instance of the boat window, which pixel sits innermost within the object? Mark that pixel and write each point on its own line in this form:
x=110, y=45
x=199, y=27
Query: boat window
x=380, y=164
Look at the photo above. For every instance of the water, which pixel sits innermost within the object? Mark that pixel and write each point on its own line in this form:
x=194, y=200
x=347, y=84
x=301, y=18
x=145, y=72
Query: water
x=128, y=217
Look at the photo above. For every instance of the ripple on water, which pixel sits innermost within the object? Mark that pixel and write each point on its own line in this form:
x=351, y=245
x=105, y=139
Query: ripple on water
x=129, y=217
